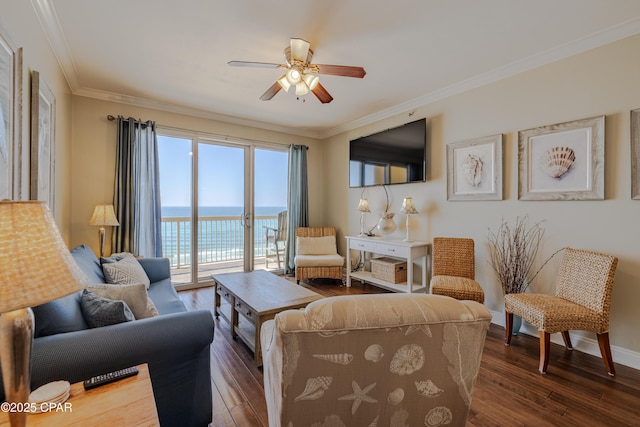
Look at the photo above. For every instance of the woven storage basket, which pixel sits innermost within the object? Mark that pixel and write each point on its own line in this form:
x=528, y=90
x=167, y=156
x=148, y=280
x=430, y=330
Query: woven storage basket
x=390, y=269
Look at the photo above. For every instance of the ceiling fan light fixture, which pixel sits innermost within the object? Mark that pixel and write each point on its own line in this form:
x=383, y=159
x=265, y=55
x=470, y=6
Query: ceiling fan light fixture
x=311, y=80
x=284, y=83
x=293, y=76
x=302, y=89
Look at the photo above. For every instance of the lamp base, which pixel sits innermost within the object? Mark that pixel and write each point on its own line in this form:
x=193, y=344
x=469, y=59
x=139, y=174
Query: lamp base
x=16, y=336
x=101, y=234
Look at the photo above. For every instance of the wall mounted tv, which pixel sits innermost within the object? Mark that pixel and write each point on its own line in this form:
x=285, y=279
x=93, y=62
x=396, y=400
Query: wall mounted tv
x=393, y=156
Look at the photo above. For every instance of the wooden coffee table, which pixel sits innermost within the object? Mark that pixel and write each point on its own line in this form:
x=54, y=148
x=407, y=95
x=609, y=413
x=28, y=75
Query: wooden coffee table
x=256, y=296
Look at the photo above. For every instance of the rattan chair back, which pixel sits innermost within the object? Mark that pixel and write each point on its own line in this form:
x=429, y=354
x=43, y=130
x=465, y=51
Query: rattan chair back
x=454, y=256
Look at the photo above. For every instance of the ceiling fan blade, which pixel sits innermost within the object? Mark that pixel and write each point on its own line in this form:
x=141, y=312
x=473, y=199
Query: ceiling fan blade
x=255, y=64
x=321, y=93
x=340, y=70
x=300, y=49
x=271, y=92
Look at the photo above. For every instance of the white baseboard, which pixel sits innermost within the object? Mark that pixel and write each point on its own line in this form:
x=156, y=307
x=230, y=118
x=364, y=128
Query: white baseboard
x=590, y=346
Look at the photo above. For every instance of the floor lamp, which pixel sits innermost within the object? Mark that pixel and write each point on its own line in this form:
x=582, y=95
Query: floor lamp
x=408, y=209
x=35, y=267
x=103, y=215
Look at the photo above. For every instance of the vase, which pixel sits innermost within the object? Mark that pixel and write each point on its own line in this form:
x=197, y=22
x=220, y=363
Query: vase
x=386, y=225
x=516, y=324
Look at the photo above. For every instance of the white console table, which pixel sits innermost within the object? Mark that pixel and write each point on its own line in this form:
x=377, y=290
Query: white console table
x=415, y=250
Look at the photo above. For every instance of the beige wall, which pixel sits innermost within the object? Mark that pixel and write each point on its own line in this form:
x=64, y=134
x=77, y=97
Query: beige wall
x=20, y=22
x=94, y=151
x=603, y=81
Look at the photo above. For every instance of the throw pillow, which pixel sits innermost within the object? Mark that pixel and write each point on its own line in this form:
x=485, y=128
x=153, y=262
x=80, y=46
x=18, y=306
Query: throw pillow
x=126, y=271
x=99, y=311
x=134, y=295
x=325, y=245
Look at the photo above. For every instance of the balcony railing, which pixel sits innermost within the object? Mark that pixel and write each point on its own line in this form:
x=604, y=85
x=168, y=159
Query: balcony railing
x=220, y=238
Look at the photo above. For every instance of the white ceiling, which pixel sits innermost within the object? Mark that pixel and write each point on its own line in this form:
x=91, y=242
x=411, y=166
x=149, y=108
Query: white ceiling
x=172, y=55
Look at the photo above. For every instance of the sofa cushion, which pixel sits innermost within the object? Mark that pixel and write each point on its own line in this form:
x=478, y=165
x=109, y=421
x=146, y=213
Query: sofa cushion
x=88, y=263
x=125, y=271
x=165, y=297
x=99, y=311
x=134, y=295
x=325, y=245
x=59, y=316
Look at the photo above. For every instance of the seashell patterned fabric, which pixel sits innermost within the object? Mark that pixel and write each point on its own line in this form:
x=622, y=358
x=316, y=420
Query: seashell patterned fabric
x=373, y=360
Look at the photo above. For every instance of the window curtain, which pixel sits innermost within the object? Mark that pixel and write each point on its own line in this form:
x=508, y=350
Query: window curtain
x=297, y=201
x=136, y=197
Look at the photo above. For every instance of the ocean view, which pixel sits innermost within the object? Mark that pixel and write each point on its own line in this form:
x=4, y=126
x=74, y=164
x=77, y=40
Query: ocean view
x=221, y=234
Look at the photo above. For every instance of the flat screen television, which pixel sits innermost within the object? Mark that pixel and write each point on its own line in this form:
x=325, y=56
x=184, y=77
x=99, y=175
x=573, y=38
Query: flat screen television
x=393, y=156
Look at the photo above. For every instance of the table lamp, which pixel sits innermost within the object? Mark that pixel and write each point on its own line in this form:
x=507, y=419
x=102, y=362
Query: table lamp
x=103, y=215
x=408, y=209
x=363, y=207
x=35, y=268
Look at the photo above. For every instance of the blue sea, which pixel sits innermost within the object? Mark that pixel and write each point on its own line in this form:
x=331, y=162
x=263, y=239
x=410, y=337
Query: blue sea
x=218, y=239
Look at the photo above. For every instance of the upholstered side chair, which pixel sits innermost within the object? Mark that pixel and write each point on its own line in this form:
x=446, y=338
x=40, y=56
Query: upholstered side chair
x=380, y=359
x=317, y=254
x=582, y=302
x=454, y=270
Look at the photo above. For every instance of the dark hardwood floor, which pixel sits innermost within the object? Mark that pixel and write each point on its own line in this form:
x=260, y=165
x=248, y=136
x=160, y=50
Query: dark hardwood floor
x=509, y=391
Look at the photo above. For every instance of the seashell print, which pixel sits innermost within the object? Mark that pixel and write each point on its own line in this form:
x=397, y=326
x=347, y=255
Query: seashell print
x=314, y=389
x=557, y=161
x=428, y=388
x=414, y=328
x=329, y=421
x=396, y=396
x=472, y=169
x=373, y=353
x=438, y=416
x=399, y=419
x=341, y=359
x=408, y=359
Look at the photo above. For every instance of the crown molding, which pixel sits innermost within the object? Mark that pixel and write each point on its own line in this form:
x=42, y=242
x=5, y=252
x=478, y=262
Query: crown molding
x=601, y=38
x=45, y=11
x=188, y=111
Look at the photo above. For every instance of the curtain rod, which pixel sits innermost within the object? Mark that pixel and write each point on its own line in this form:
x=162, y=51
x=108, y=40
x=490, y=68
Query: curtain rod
x=112, y=118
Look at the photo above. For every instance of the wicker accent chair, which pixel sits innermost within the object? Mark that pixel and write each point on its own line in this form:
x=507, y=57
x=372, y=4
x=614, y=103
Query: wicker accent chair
x=454, y=270
x=316, y=254
x=582, y=302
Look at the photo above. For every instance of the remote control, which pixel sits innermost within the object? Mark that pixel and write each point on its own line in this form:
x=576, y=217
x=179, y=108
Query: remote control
x=110, y=377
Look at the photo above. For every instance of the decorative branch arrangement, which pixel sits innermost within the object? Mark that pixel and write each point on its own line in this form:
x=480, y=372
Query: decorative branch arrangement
x=513, y=251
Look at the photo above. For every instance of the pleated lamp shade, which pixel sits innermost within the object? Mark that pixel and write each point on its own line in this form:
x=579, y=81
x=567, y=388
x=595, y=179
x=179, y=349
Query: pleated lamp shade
x=104, y=215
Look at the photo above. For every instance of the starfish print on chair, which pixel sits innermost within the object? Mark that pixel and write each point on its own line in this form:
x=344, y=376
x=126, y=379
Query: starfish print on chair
x=358, y=396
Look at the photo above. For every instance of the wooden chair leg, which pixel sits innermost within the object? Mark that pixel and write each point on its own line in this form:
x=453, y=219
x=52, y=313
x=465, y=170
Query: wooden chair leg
x=605, y=350
x=507, y=327
x=567, y=340
x=545, y=347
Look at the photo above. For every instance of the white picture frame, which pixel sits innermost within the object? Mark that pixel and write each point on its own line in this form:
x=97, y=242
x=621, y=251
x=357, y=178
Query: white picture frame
x=10, y=118
x=43, y=119
x=635, y=154
x=474, y=169
x=563, y=161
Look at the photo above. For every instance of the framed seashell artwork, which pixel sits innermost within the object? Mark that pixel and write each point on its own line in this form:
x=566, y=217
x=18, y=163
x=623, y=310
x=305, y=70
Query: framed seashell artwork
x=563, y=161
x=635, y=154
x=474, y=169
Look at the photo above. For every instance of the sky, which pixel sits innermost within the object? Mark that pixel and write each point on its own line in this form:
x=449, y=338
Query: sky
x=221, y=174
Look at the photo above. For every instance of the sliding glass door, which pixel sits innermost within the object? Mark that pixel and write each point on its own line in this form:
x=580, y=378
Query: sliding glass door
x=220, y=200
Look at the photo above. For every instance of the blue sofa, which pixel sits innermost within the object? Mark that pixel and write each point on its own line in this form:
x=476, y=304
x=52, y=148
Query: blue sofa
x=175, y=345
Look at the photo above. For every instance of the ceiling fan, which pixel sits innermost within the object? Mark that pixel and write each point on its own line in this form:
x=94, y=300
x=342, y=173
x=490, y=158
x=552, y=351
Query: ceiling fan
x=301, y=73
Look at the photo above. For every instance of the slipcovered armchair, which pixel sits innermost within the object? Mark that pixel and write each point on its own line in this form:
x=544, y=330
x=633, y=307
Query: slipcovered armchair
x=582, y=302
x=316, y=254
x=378, y=359
x=454, y=270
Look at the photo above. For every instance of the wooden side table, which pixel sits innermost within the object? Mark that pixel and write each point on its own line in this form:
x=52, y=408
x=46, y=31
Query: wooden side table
x=125, y=402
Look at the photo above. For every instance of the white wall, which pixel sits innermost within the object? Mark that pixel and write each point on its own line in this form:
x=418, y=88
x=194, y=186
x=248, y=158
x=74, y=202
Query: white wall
x=603, y=81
